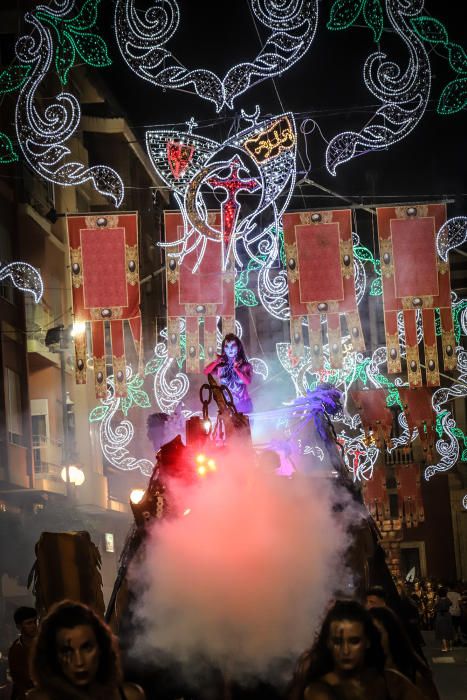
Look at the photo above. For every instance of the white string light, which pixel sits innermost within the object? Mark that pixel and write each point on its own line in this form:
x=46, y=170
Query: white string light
x=42, y=137
x=24, y=277
x=404, y=93
x=451, y=235
x=142, y=40
x=189, y=165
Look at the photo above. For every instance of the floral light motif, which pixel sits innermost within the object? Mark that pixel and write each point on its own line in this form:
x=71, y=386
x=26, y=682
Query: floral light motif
x=448, y=449
x=114, y=441
x=142, y=42
x=404, y=93
x=42, y=137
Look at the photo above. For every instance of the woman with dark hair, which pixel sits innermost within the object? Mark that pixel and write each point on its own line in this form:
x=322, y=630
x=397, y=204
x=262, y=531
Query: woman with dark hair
x=75, y=657
x=232, y=368
x=347, y=661
x=400, y=654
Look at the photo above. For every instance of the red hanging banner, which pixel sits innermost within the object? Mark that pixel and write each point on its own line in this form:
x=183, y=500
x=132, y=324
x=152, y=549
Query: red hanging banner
x=105, y=289
x=409, y=494
x=320, y=273
x=419, y=412
x=415, y=278
x=197, y=292
x=376, y=497
x=374, y=413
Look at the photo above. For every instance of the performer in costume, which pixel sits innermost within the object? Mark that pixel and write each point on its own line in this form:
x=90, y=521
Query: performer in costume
x=232, y=368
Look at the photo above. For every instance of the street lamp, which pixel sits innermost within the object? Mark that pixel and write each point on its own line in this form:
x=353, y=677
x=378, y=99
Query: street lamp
x=137, y=495
x=72, y=475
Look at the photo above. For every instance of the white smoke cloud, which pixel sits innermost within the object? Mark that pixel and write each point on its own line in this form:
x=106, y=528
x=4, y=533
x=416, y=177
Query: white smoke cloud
x=243, y=579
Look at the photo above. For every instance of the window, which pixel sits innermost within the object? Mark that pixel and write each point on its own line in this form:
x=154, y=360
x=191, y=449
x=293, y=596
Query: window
x=14, y=407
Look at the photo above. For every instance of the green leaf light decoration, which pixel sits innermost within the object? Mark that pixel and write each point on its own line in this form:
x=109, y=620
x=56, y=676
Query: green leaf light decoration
x=7, y=152
x=457, y=58
x=13, y=78
x=135, y=396
x=344, y=13
x=73, y=38
x=373, y=16
x=430, y=29
x=454, y=96
x=98, y=413
x=364, y=254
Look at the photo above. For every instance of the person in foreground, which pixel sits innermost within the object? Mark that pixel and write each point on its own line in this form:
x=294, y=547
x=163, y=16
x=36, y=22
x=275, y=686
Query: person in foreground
x=400, y=654
x=20, y=651
x=347, y=661
x=232, y=368
x=75, y=657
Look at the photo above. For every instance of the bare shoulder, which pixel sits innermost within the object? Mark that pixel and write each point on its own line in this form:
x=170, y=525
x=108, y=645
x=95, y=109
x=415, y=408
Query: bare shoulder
x=318, y=691
x=133, y=692
x=36, y=694
x=400, y=688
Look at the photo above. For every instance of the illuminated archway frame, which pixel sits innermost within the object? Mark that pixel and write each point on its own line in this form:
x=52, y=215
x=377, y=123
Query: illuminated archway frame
x=142, y=42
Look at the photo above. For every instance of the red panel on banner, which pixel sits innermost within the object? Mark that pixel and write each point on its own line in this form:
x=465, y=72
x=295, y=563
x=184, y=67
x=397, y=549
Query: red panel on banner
x=205, y=286
x=319, y=244
x=320, y=275
x=103, y=268
x=414, y=240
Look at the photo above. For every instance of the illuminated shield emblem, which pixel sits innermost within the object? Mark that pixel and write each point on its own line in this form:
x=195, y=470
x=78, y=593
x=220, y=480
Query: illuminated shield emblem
x=179, y=156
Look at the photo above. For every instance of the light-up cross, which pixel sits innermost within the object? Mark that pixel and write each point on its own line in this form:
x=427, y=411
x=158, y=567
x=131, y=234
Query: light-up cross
x=232, y=185
x=356, y=453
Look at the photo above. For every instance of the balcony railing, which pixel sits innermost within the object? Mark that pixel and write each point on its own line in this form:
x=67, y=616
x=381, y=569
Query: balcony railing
x=45, y=453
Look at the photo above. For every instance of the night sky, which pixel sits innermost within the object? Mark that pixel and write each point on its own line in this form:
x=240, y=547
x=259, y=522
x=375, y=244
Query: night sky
x=325, y=85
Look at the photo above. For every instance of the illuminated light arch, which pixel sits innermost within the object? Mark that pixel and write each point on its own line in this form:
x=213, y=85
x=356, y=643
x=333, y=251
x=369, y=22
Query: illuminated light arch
x=142, y=40
x=42, y=137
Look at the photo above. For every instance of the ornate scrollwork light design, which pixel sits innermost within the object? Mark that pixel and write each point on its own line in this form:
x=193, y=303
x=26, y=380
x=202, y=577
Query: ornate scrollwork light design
x=142, y=39
x=42, y=136
x=403, y=92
